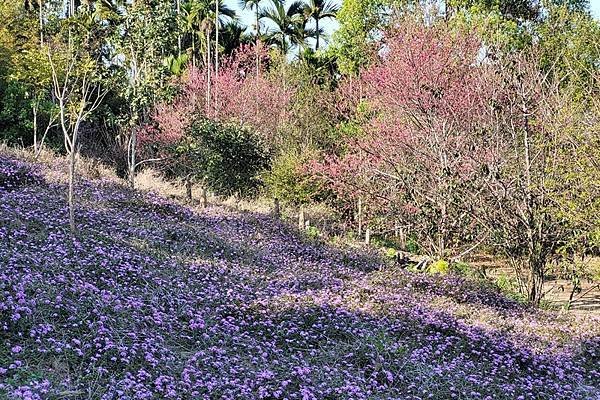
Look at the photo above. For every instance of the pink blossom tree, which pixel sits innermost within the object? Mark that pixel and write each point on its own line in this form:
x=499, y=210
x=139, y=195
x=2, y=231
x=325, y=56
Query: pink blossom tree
x=238, y=95
x=235, y=94
x=429, y=94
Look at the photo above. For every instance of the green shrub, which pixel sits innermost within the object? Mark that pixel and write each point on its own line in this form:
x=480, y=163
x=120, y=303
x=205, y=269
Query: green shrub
x=464, y=269
x=412, y=245
x=391, y=253
x=313, y=232
x=510, y=288
x=439, y=267
x=15, y=118
x=226, y=157
x=287, y=181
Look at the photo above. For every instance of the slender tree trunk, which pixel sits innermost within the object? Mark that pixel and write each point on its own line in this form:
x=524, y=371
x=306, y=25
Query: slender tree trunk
x=131, y=158
x=41, y=22
x=188, y=188
x=359, y=217
x=71, y=197
x=208, y=62
x=178, y=32
x=301, y=218
x=204, y=197
x=536, y=280
x=256, y=42
x=216, y=38
x=193, y=49
x=35, y=141
x=215, y=91
x=317, y=32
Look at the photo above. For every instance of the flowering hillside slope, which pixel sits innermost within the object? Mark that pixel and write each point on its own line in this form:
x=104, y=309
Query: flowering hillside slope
x=152, y=300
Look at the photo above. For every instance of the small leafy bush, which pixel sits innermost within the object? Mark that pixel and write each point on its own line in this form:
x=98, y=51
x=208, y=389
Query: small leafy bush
x=464, y=269
x=412, y=245
x=509, y=287
x=226, y=157
x=313, y=232
x=391, y=253
x=439, y=267
x=288, y=182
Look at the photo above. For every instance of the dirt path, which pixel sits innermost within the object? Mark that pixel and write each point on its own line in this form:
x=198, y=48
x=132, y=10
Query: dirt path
x=558, y=290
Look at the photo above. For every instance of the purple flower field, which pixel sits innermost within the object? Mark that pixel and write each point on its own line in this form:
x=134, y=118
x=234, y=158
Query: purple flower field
x=153, y=300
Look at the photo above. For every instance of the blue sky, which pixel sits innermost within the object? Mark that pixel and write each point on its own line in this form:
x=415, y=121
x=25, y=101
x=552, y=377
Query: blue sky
x=595, y=6
x=247, y=17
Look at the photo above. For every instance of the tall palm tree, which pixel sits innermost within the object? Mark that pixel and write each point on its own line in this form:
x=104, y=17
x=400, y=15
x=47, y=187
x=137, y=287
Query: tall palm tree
x=200, y=18
x=253, y=5
x=190, y=15
x=289, y=24
x=318, y=10
x=233, y=36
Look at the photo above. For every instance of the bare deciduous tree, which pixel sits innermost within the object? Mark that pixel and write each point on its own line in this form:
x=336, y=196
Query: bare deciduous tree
x=77, y=95
x=519, y=201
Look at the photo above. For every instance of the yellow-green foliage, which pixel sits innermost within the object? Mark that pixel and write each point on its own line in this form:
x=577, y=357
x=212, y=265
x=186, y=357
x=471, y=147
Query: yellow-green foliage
x=390, y=252
x=575, y=183
x=439, y=267
x=313, y=232
x=287, y=181
x=509, y=287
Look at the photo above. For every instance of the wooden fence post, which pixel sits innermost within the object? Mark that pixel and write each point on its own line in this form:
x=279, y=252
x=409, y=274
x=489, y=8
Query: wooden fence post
x=204, y=197
x=301, y=218
x=359, y=217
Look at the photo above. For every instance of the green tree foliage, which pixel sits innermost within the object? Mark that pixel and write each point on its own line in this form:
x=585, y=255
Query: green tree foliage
x=226, y=158
x=570, y=50
x=313, y=116
x=317, y=10
x=575, y=182
x=24, y=73
x=233, y=36
x=354, y=42
x=288, y=25
x=289, y=181
x=515, y=10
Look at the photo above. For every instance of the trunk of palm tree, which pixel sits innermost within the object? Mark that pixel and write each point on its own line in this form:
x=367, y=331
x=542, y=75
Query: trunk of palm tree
x=208, y=62
x=178, y=31
x=216, y=54
x=257, y=40
x=193, y=49
x=216, y=38
x=317, y=33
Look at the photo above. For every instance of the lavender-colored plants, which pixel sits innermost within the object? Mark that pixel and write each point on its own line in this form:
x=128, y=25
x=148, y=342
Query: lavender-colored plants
x=152, y=300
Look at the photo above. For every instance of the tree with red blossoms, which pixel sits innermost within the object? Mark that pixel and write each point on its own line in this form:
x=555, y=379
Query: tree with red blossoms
x=429, y=94
x=239, y=95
